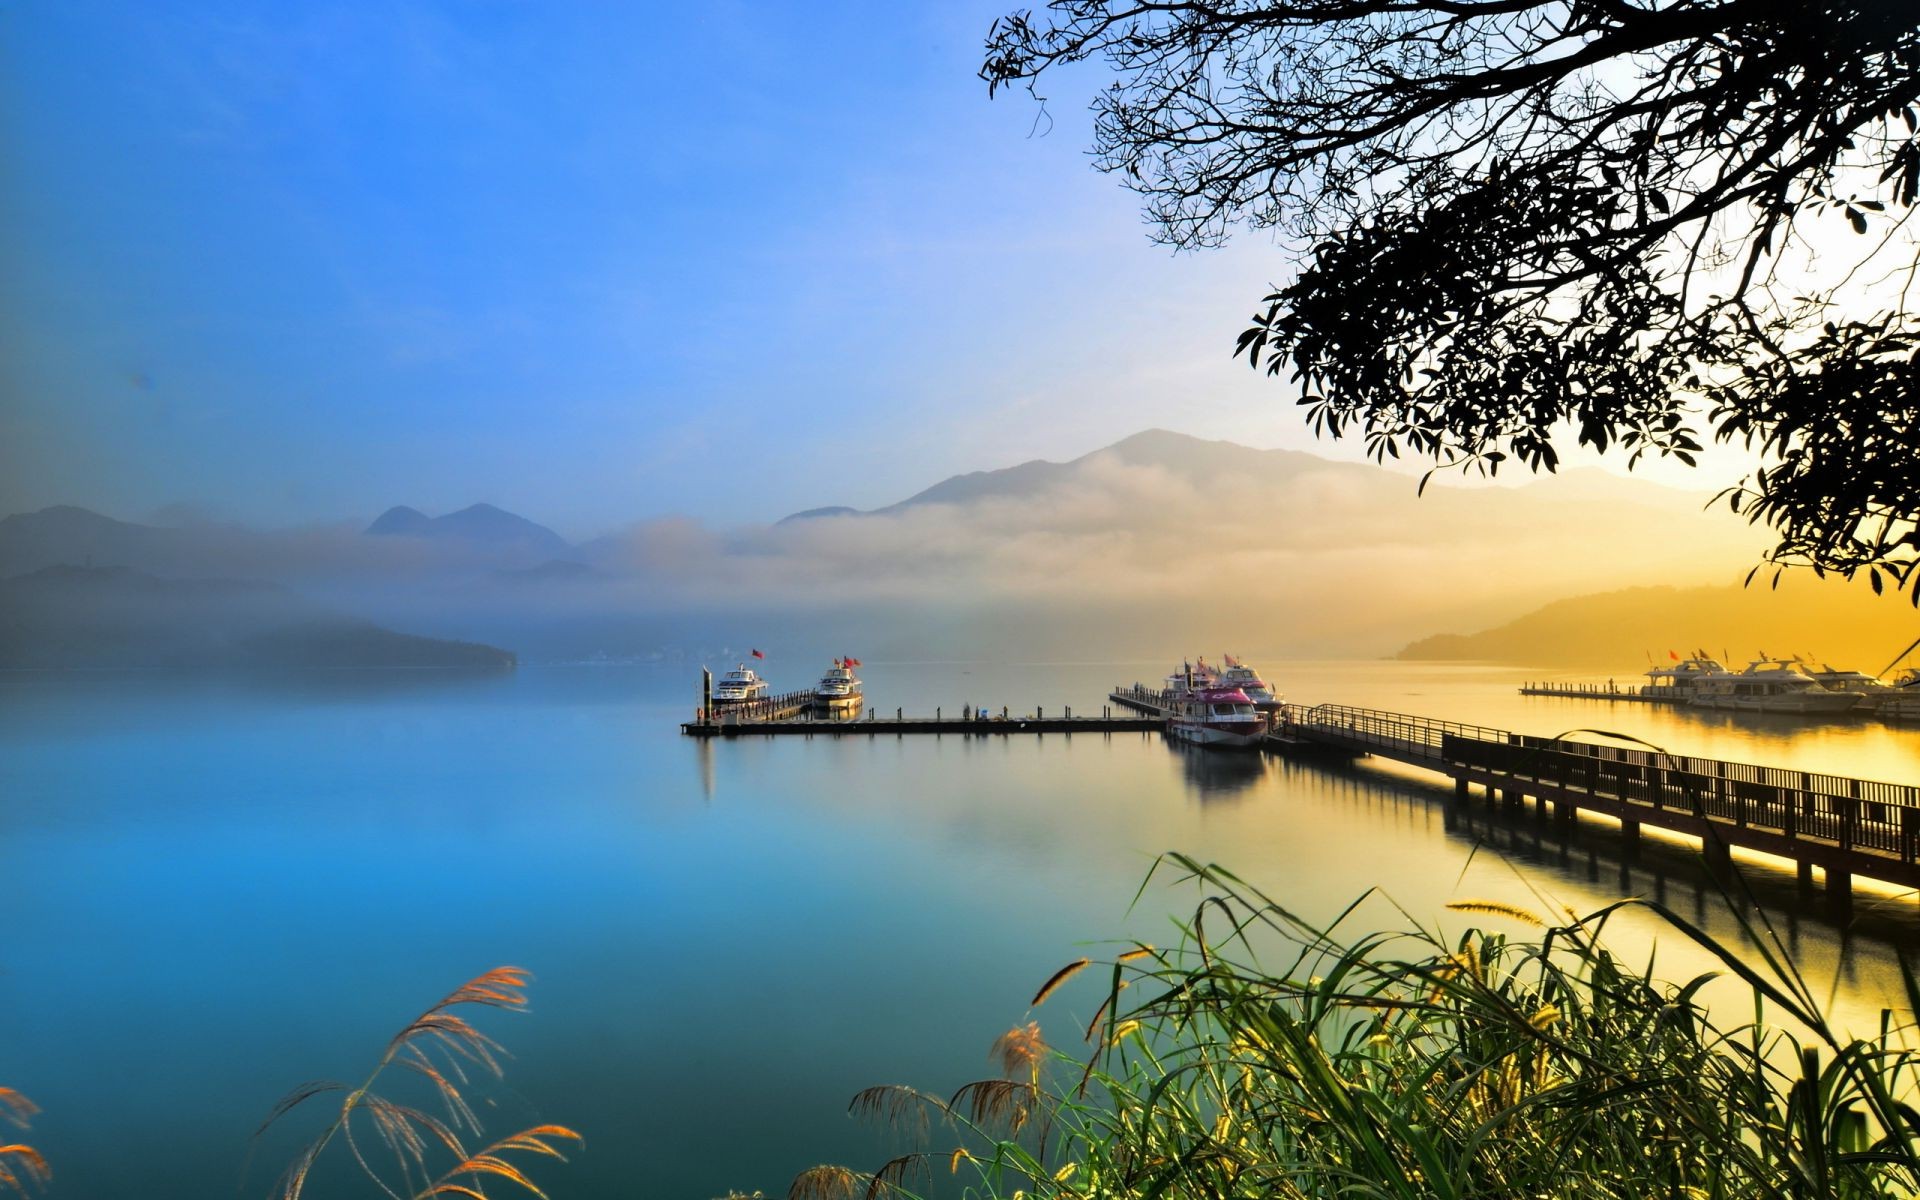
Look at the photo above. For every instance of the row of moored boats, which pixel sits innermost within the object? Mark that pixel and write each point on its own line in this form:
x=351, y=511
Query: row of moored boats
x=1227, y=706
x=839, y=692
x=1784, y=685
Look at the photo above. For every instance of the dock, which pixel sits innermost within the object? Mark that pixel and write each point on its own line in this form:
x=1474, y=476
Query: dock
x=1844, y=826
x=1604, y=691
x=793, y=715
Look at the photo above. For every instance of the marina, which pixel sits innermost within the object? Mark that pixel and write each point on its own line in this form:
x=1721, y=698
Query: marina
x=1841, y=825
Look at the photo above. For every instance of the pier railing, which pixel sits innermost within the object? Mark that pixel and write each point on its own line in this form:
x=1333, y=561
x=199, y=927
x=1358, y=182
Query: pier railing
x=767, y=708
x=1857, y=813
x=1410, y=736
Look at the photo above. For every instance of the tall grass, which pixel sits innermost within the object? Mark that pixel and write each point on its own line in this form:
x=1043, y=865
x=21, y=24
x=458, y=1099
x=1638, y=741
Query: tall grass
x=1403, y=1064
x=443, y=1048
x=21, y=1166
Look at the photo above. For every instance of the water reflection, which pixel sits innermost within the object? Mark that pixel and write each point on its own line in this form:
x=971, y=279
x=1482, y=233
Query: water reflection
x=1218, y=775
x=1664, y=868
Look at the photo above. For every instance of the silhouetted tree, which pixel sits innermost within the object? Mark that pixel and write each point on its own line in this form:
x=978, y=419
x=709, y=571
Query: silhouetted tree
x=1647, y=220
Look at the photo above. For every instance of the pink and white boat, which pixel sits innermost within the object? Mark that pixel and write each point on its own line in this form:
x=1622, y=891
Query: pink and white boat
x=1219, y=716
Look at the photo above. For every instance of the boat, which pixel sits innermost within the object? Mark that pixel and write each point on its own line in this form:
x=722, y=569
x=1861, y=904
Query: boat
x=1683, y=679
x=839, y=691
x=1904, y=704
x=1189, y=676
x=1222, y=717
x=1873, y=693
x=1774, y=685
x=1239, y=674
x=739, y=686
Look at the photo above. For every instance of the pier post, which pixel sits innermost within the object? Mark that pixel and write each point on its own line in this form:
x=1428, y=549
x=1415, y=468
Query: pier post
x=1803, y=871
x=1840, y=891
x=1718, y=854
x=1629, y=838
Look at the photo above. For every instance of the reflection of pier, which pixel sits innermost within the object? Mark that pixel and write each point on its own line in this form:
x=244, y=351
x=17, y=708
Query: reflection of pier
x=1845, y=826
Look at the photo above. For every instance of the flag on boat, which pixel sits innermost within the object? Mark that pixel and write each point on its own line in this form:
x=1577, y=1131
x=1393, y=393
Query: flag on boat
x=1673, y=656
x=757, y=654
x=852, y=662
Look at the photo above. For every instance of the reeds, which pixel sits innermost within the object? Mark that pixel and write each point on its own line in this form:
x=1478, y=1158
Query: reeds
x=1401, y=1064
x=22, y=1168
x=446, y=1050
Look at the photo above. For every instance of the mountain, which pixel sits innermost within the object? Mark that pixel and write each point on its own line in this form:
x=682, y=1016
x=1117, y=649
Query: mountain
x=113, y=617
x=478, y=524
x=67, y=534
x=1216, y=465
x=1826, y=620
x=831, y=510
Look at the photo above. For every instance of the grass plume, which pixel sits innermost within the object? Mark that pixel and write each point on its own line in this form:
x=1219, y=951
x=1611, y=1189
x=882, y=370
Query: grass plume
x=1059, y=977
x=1283, y=1058
x=22, y=1168
x=444, y=1048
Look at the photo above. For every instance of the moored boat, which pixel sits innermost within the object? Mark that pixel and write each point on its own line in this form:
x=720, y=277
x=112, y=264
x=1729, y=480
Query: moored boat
x=839, y=691
x=1684, y=678
x=1238, y=674
x=739, y=686
x=1773, y=685
x=1904, y=705
x=1222, y=717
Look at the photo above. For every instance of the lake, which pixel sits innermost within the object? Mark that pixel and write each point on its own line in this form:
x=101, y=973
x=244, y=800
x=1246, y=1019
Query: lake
x=217, y=889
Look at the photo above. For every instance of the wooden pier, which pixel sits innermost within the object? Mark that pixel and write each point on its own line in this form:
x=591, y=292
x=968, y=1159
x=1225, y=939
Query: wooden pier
x=1604, y=691
x=777, y=717
x=1845, y=826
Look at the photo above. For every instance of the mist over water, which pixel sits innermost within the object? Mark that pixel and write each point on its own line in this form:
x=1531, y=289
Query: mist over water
x=220, y=888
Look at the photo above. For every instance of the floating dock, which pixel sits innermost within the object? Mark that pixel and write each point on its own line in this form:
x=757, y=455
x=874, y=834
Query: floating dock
x=1603, y=691
x=875, y=725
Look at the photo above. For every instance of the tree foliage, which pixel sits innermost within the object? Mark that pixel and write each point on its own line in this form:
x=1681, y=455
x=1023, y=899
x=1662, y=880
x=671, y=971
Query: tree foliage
x=1633, y=222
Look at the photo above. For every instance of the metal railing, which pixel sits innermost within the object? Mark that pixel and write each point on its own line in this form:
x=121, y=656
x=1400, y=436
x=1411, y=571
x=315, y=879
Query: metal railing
x=1855, y=813
x=1411, y=736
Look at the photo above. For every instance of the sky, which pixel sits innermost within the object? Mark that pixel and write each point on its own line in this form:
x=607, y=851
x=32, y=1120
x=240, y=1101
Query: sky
x=301, y=262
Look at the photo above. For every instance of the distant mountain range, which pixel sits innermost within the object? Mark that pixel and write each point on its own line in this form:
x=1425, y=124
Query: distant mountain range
x=478, y=524
x=1625, y=631
x=1195, y=461
x=1147, y=543
x=111, y=617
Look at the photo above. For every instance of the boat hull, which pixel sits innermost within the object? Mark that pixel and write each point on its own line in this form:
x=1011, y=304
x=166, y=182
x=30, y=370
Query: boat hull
x=1218, y=735
x=1805, y=704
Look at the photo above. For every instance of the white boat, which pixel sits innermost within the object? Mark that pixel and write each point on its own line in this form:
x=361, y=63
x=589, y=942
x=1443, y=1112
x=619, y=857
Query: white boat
x=1189, y=677
x=1682, y=680
x=1217, y=716
x=838, y=690
x=1239, y=675
x=1774, y=685
x=739, y=686
x=1872, y=692
x=1904, y=705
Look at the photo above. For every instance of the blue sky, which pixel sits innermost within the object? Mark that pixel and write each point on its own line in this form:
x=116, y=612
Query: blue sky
x=281, y=263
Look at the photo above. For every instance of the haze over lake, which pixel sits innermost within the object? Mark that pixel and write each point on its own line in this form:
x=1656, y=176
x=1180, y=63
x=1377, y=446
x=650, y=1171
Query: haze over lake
x=222, y=887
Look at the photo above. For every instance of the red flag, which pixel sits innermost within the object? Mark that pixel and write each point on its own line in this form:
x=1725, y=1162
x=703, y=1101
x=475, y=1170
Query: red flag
x=1673, y=656
x=853, y=662
x=757, y=654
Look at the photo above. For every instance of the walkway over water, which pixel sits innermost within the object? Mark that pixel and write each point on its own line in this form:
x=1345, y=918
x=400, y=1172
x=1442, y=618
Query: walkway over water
x=1843, y=825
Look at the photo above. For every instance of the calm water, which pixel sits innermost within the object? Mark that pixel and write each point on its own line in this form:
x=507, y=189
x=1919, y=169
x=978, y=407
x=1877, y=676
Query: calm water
x=213, y=892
